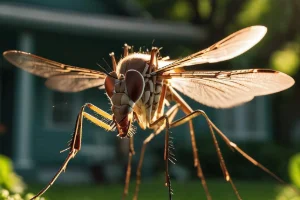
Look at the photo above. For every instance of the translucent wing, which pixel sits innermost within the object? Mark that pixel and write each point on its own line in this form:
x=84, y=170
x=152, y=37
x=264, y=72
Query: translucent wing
x=230, y=47
x=61, y=77
x=73, y=82
x=225, y=89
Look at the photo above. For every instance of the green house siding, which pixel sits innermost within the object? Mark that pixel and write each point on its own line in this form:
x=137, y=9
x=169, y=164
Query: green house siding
x=84, y=45
x=37, y=146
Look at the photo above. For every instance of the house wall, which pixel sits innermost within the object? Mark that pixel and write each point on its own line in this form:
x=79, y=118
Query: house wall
x=42, y=138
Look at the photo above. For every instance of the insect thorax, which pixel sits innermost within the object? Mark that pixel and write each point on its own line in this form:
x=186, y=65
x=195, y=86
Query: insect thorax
x=147, y=106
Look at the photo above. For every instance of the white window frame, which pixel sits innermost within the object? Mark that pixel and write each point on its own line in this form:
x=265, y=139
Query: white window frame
x=239, y=130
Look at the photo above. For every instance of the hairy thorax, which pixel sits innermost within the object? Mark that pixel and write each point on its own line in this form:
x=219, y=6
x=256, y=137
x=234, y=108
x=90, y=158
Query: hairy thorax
x=146, y=107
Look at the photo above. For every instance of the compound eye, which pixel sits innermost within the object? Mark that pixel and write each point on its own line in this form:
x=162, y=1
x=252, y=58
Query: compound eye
x=134, y=84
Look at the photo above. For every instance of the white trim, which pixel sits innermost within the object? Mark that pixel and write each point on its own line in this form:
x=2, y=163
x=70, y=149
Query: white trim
x=24, y=109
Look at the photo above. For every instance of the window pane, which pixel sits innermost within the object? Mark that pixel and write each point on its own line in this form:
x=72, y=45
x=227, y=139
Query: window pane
x=63, y=104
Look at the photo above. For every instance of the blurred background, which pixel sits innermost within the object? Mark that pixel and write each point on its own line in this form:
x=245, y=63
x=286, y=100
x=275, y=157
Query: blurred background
x=36, y=123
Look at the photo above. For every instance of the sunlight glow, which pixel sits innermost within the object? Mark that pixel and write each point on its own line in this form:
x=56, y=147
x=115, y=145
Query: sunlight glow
x=181, y=10
x=204, y=8
x=253, y=11
x=286, y=60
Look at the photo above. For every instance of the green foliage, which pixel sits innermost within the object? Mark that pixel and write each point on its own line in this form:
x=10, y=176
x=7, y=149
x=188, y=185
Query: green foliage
x=181, y=10
x=223, y=17
x=204, y=8
x=8, y=179
x=253, y=11
x=11, y=185
x=288, y=193
x=5, y=195
x=287, y=60
x=294, y=169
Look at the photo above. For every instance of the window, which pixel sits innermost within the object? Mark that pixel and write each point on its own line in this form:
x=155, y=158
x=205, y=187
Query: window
x=245, y=122
x=62, y=109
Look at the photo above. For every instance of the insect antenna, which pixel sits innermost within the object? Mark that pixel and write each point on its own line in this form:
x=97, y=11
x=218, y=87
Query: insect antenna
x=104, y=70
x=107, y=64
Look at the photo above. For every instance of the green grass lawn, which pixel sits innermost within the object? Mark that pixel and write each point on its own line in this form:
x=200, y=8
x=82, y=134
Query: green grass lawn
x=219, y=189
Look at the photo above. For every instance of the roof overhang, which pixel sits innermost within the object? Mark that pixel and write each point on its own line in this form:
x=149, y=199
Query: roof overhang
x=37, y=18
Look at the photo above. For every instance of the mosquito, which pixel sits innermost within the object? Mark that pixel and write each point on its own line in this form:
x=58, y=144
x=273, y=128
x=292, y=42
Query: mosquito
x=143, y=84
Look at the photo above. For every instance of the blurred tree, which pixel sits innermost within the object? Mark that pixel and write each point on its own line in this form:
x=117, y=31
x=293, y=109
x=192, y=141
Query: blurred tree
x=280, y=50
x=294, y=169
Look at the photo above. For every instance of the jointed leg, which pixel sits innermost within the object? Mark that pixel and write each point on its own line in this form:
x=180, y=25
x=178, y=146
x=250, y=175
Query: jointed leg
x=128, y=171
x=197, y=164
x=227, y=141
x=170, y=114
x=126, y=50
x=113, y=58
x=213, y=127
x=75, y=143
x=244, y=154
x=165, y=119
x=187, y=109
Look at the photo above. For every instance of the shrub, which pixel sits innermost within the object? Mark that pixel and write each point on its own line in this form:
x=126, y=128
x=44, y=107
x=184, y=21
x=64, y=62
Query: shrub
x=11, y=185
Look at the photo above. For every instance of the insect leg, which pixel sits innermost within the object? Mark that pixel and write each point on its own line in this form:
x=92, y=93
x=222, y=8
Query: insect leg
x=161, y=102
x=166, y=152
x=192, y=114
x=232, y=145
x=186, y=109
x=128, y=171
x=75, y=143
x=113, y=60
x=171, y=114
x=244, y=154
x=126, y=50
x=153, y=63
x=197, y=164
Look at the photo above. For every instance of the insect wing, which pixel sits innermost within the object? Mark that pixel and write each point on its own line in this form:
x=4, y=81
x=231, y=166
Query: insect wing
x=225, y=89
x=61, y=77
x=230, y=47
x=73, y=82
